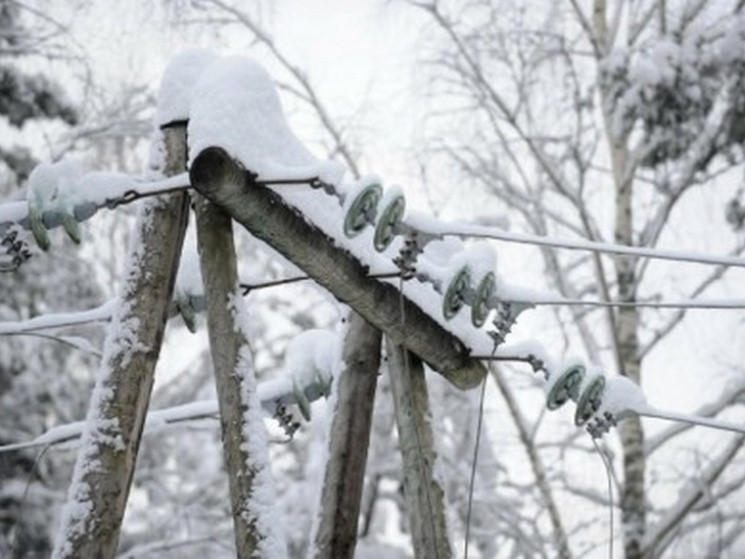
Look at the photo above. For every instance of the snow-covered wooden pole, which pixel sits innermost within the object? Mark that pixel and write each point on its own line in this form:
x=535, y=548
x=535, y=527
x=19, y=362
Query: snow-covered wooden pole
x=344, y=477
x=425, y=497
x=244, y=439
x=103, y=472
x=261, y=211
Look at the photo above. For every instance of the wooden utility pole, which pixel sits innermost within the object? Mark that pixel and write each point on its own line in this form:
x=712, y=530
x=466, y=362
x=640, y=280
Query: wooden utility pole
x=240, y=411
x=97, y=497
x=344, y=477
x=263, y=213
x=425, y=497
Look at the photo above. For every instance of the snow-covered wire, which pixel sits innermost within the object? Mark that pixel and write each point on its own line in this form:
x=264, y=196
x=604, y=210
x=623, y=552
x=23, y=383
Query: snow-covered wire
x=681, y=304
x=436, y=229
x=125, y=190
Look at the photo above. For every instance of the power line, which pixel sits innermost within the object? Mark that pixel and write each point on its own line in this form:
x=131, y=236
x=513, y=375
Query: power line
x=478, y=231
x=682, y=304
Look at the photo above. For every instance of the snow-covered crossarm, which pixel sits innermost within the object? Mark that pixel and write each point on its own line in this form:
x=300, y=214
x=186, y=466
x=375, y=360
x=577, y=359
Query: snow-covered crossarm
x=274, y=396
x=265, y=214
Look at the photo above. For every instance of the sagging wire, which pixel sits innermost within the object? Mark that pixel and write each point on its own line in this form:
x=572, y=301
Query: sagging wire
x=472, y=480
x=608, y=474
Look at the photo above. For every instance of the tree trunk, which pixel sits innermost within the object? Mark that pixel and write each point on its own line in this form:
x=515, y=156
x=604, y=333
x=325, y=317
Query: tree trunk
x=265, y=215
x=626, y=327
x=97, y=497
x=244, y=440
x=344, y=478
x=633, y=507
x=425, y=497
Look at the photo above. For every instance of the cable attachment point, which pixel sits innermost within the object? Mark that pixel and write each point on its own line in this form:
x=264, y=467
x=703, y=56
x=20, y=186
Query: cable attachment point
x=599, y=426
x=286, y=420
x=407, y=256
x=16, y=248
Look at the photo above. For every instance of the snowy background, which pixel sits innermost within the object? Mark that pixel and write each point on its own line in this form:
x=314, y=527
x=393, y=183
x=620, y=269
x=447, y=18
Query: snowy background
x=492, y=113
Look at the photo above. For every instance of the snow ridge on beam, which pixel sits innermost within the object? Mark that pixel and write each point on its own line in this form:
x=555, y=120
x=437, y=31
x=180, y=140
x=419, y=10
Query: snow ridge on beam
x=264, y=214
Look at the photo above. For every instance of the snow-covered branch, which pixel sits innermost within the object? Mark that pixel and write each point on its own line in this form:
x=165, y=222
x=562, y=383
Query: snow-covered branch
x=273, y=394
x=657, y=538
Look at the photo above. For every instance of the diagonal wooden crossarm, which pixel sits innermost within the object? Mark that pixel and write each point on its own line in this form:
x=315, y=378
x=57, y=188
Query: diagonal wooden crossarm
x=264, y=214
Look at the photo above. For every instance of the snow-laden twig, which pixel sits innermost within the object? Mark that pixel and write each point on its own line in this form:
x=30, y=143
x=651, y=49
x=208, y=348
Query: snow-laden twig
x=59, y=320
x=272, y=393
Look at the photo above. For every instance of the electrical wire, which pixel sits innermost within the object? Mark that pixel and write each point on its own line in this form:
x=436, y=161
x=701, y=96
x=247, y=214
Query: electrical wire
x=479, y=232
x=606, y=464
x=684, y=304
x=473, y=466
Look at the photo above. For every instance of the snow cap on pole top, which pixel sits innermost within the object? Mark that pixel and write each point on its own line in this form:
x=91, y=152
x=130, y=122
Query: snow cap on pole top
x=235, y=106
x=179, y=77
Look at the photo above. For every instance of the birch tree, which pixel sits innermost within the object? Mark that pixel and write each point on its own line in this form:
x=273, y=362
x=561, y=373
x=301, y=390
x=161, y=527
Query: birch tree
x=597, y=119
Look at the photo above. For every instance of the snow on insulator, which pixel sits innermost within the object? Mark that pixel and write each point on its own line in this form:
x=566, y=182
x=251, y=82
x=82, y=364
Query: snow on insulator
x=623, y=397
x=180, y=75
x=392, y=208
x=590, y=395
x=564, y=382
x=189, y=287
x=309, y=360
x=50, y=186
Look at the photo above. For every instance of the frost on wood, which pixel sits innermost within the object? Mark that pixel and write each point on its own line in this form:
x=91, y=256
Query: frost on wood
x=100, y=486
x=353, y=397
x=260, y=507
x=258, y=530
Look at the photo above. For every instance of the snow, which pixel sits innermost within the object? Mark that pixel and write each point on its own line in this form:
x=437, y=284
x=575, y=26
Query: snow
x=180, y=75
x=234, y=105
x=333, y=359
x=59, y=320
x=51, y=182
x=189, y=276
x=260, y=509
x=621, y=396
x=310, y=356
